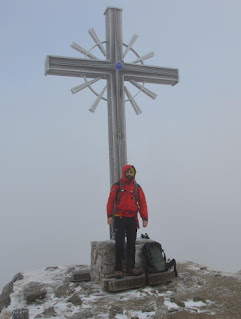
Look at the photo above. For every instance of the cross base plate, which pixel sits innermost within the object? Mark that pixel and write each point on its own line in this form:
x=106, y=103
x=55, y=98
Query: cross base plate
x=128, y=282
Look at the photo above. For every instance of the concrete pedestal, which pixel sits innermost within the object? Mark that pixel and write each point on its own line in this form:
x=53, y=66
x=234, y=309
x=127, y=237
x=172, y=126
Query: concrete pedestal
x=103, y=259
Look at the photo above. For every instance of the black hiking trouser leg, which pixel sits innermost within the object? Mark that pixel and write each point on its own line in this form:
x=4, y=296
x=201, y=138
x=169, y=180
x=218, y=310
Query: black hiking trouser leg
x=124, y=225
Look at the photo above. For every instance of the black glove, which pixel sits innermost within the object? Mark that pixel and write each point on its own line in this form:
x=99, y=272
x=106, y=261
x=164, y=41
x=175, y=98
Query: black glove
x=145, y=236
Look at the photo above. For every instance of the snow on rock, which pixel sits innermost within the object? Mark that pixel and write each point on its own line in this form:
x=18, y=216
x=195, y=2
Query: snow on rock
x=50, y=293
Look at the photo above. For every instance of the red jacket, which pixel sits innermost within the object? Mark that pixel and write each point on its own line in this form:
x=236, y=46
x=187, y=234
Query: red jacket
x=123, y=201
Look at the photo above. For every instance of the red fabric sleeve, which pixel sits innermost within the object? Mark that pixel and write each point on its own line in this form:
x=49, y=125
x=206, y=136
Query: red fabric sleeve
x=111, y=200
x=143, y=205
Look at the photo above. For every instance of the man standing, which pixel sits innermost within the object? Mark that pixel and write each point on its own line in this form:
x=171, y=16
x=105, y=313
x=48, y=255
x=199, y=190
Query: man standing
x=125, y=201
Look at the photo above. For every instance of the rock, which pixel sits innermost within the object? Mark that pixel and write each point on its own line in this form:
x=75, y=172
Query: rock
x=61, y=291
x=197, y=298
x=20, y=314
x=160, y=314
x=194, y=280
x=203, y=268
x=50, y=312
x=159, y=301
x=154, y=292
x=17, y=277
x=75, y=300
x=114, y=310
x=81, y=275
x=5, y=299
x=70, y=270
x=172, y=310
x=86, y=313
x=143, y=291
x=8, y=289
x=52, y=268
x=34, y=291
x=6, y=314
x=148, y=309
x=4, y=302
x=177, y=301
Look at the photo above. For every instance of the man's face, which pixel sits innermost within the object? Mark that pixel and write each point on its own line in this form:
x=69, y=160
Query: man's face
x=129, y=174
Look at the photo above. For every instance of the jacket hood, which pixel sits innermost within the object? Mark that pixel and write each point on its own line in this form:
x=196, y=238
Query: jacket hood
x=126, y=167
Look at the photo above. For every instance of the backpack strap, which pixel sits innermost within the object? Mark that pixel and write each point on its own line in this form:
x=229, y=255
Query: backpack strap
x=120, y=190
x=146, y=273
x=136, y=191
x=145, y=253
x=170, y=264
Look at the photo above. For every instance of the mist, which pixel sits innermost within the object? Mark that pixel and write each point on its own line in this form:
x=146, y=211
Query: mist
x=186, y=145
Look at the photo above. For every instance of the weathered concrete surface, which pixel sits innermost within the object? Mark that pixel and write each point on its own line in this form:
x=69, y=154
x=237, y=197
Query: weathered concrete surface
x=103, y=259
x=112, y=285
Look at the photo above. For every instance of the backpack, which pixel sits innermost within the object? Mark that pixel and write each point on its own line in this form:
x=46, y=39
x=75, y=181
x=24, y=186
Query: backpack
x=155, y=259
x=121, y=189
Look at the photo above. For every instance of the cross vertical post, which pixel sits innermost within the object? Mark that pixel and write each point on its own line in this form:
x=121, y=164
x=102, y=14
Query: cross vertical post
x=115, y=94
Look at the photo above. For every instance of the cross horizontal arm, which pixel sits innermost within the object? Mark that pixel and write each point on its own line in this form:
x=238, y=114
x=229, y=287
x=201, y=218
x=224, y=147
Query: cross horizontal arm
x=56, y=65
x=150, y=74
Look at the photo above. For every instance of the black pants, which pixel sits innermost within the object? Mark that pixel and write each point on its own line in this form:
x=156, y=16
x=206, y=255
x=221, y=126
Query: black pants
x=124, y=225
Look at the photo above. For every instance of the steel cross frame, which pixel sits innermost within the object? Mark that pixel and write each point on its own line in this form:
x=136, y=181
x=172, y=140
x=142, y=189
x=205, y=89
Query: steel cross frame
x=115, y=71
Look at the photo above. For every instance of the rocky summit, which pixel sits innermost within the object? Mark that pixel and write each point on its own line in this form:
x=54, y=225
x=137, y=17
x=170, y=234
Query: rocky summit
x=198, y=292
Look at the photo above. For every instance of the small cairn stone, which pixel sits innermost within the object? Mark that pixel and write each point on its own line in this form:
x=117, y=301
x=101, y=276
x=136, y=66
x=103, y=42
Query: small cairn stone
x=177, y=301
x=20, y=314
x=61, y=291
x=5, y=299
x=75, y=300
x=17, y=277
x=197, y=298
x=52, y=268
x=203, y=268
x=114, y=310
x=50, y=312
x=34, y=291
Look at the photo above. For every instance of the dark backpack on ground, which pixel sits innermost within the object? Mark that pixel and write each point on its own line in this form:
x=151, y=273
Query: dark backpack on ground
x=155, y=259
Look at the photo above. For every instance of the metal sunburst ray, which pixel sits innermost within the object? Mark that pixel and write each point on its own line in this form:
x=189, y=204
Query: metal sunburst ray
x=144, y=57
x=132, y=41
x=78, y=48
x=148, y=92
x=95, y=104
x=132, y=101
x=83, y=86
x=94, y=36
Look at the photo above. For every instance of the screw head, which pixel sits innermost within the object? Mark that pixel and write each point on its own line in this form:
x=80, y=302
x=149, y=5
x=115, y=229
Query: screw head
x=118, y=65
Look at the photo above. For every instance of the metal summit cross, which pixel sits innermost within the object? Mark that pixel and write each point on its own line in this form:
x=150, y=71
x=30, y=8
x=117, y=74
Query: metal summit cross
x=116, y=72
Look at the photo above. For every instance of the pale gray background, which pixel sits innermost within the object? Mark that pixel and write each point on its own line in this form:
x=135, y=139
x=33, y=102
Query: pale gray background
x=54, y=175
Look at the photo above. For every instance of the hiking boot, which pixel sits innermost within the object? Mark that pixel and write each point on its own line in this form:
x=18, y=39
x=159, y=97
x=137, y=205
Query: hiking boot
x=134, y=272
x=118, y=274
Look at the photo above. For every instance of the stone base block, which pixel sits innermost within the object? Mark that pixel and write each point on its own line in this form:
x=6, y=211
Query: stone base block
x=81, y=275
x=103, y=259
x=112, y=285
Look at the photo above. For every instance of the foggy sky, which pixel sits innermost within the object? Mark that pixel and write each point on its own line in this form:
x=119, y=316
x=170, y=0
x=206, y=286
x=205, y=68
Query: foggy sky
x=186, y=145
